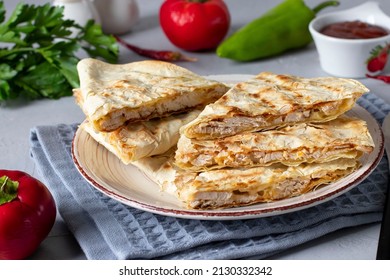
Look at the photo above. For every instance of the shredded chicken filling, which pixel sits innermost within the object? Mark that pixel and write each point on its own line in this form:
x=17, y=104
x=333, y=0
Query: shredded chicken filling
x=276, y=191
x=208, y=158
x=177, y=104
x=239, y=123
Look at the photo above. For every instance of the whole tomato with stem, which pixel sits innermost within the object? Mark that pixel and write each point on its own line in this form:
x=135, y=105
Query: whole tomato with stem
x=195, y=25
x=27, y=214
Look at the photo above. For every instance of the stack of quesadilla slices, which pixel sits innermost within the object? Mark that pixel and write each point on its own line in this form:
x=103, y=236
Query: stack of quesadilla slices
x=135, y=110
x=268, y=138
x=214, y=146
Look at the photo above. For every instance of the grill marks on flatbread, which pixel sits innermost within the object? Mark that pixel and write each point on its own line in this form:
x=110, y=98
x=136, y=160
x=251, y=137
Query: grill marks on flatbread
x=344, y=137
x=115, y=94
x=269, y=100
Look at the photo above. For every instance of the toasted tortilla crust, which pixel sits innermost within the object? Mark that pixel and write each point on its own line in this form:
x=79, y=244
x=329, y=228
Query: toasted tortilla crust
x=240, y=187
x=112, y=94
x=270, y=100
x=233, y=187
x=344, y=137
x=142, y=139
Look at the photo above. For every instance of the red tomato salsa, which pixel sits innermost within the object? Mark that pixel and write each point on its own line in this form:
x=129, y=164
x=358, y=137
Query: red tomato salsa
x=354, y=30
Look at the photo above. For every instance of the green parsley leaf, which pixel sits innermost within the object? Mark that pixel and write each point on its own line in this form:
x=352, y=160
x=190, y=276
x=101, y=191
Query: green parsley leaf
x=38, y=51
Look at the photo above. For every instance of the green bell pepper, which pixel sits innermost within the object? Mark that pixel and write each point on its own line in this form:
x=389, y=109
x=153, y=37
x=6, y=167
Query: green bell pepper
x=282, y=28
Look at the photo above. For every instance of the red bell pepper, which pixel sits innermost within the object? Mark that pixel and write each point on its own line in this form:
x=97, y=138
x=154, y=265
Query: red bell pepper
x=195, y=25
x=27, y=214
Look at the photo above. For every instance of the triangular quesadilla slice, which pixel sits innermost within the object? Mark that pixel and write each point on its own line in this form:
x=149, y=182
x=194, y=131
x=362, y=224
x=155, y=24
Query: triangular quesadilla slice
x=142, y=139
x=113, y=94
x=344, y=137
x=269, y=100
x=224, y=188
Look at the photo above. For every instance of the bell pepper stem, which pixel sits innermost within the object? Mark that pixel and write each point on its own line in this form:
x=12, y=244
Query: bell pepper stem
x=323, y=5
x=4, y=183
x=8, y=189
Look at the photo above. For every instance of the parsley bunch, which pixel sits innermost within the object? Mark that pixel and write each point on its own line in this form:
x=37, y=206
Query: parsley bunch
x=38, y=51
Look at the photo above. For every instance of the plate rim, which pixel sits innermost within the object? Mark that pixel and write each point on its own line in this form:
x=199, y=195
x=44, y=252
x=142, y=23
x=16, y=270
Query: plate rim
x=237, y=212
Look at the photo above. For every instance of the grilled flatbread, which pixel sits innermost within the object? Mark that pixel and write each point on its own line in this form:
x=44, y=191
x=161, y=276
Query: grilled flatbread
x=344, y=137
x=269, y=100
x=224, y=188
x=113, y=94
x=142, y=139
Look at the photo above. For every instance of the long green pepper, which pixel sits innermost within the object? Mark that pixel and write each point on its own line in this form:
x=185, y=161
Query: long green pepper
x=282, y=28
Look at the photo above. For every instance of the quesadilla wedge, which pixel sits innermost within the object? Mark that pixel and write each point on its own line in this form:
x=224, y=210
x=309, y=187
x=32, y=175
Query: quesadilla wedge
x=344, y=137
x=137, y=140
x=269, y=100
x=113, y=94
x=224, y=188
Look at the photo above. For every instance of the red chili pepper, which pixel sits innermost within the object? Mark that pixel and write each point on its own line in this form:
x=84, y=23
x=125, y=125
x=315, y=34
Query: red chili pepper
x=27, y=214
x=384, y=78
x=159, y=55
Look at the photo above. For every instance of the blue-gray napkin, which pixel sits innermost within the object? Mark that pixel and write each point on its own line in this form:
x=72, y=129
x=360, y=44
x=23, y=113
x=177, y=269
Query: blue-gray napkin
x=108, y=229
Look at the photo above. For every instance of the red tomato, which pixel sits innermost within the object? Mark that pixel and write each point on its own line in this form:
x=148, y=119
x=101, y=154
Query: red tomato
x=195, y=25
x=27, y=214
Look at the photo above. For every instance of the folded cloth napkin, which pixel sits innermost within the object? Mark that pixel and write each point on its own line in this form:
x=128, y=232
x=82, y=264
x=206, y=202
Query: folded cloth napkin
x=108, y=229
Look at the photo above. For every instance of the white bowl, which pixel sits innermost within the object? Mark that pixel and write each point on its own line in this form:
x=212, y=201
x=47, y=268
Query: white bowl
x=349, y=57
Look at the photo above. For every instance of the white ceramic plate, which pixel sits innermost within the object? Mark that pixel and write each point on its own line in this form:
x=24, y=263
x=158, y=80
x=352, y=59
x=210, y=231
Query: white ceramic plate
x=128, y=185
